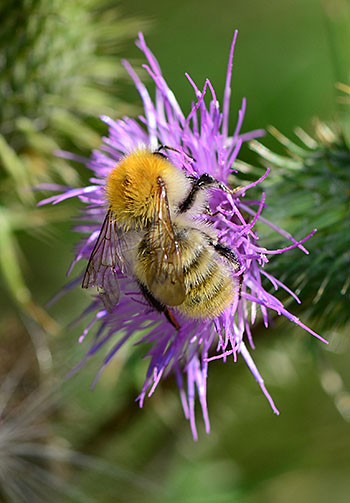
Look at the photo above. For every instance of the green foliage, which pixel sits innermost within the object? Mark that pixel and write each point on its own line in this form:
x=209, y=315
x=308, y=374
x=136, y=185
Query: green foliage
x=59, y=55
x=59, y=70
x=310, y=188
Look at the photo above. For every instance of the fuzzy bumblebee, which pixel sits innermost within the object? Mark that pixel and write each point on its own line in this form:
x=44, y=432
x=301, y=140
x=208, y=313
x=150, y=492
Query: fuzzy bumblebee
x=152, y=231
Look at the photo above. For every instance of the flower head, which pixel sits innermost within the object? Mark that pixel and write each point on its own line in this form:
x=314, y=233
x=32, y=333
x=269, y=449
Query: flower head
x=199, y=144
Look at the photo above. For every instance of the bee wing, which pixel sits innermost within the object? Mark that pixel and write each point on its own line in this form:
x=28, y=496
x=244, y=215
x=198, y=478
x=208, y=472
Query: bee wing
x=109, y=293
x=106, y=255
x=165, y=277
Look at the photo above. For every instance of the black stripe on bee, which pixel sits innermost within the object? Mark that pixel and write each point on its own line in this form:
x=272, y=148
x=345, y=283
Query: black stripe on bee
x=158, y=306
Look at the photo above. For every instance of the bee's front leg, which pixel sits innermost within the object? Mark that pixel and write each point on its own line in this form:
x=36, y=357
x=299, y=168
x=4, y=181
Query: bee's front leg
x=204, y=181
x=158, y=306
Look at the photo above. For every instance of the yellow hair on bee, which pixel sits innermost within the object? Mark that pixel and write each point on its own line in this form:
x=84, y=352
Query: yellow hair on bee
x=133, y=183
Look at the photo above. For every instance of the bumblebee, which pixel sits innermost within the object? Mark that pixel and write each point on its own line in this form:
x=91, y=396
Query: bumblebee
x=152, y=232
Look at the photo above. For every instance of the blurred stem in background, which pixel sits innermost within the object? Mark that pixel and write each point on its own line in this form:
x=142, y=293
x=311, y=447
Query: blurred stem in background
x=59, y=71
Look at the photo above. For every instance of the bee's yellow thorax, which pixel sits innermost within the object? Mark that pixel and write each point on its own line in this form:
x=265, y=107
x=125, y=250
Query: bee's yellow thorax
x=132, y=186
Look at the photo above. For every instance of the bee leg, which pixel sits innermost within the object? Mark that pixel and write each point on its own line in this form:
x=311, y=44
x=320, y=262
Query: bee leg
x=158, y=152
x=240, y=286
x=208, y=211
x=158, y=306
x=163, y=147
x=205, y=181
x=171, y=318
x=229, y=255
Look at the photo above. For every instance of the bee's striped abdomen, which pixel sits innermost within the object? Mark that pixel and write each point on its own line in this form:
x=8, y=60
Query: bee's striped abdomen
x=209, y=283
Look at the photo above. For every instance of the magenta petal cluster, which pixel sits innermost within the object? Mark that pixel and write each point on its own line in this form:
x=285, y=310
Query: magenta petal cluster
x=201, y=135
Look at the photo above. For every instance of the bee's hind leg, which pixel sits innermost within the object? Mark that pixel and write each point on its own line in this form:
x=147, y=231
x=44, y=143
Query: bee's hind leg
x=228, y=254
x=158, y=306
x=231, y=257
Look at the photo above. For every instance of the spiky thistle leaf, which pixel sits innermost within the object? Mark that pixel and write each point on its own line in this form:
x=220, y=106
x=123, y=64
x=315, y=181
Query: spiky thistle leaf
x=310, y=187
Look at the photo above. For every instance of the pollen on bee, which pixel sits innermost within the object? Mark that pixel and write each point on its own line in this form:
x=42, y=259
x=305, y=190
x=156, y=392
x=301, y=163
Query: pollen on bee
x=132, y=185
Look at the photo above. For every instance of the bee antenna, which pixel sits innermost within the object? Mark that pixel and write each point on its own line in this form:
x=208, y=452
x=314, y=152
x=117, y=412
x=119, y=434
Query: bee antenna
x=163, y=147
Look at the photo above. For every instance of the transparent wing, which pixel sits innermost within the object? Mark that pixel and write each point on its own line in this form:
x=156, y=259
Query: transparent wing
x=105, y=257
x=165, y=277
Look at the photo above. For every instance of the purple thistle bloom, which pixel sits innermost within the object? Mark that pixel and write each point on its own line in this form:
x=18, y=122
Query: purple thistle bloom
x=203, y=135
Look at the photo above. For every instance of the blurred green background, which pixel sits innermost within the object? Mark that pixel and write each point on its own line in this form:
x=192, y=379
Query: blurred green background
x=289, y=54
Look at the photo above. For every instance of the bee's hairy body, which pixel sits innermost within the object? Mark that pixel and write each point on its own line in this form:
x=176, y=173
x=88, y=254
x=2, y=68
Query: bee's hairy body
x=176, y=258
x=208, y=281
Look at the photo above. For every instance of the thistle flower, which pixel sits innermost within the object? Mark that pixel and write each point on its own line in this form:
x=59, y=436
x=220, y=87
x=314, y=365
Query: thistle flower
x=203, y=145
